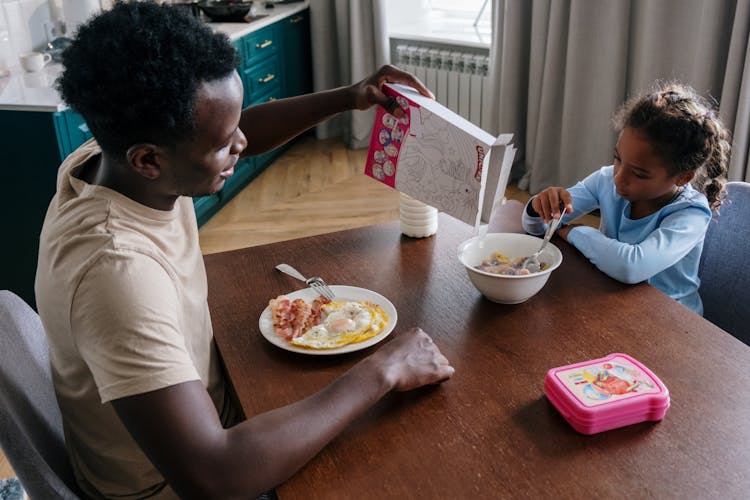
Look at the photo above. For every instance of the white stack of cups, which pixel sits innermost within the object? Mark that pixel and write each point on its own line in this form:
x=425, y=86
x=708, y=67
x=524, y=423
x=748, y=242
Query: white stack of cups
x=417, y=219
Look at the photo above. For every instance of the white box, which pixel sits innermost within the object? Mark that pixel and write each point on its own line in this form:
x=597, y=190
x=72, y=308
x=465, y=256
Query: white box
x=436, y=156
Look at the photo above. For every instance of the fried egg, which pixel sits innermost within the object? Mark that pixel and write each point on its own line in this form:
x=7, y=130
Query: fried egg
x=343, y=323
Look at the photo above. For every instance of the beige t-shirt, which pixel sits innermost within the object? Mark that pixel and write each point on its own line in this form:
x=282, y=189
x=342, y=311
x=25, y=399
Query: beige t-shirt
x=121, y=289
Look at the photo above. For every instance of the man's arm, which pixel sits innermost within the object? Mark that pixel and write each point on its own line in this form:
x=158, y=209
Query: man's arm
x=271, y=124
x=179, y=430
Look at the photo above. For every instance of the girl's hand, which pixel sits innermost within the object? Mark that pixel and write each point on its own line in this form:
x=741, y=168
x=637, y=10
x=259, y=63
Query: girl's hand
x=369, y=91
x=551, y=201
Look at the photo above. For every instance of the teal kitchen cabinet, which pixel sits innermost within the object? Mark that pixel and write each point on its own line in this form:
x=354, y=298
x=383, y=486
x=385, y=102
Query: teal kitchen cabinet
x=296, y=54
x=261, y=79
x=205, y=207
x=72, y=131
x=33, y=143
x=259, y=63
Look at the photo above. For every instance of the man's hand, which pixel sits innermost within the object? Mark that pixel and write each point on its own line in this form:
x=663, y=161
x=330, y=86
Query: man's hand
x=369, y=91
x=412, y=360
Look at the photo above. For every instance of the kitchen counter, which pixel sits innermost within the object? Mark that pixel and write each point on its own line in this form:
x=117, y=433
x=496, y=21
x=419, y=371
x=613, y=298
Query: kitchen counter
x=278, y=12
x=22, y=91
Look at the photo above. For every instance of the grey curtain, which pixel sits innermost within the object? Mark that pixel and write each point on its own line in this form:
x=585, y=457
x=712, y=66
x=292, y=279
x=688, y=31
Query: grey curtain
x=560, y=68
x=735, y=94
x=349, y=42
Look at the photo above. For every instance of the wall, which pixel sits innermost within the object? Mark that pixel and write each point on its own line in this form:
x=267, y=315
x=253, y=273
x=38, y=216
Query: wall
x=24, y=22
x=27, y=25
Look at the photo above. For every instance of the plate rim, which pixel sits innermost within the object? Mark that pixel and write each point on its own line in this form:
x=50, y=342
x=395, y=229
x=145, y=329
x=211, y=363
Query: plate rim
x=265, y=318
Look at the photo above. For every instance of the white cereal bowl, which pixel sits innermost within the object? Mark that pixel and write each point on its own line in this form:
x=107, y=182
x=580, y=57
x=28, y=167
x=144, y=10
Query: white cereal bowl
x=502, y=288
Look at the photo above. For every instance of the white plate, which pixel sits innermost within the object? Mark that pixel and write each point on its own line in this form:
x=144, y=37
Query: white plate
x=342, y=293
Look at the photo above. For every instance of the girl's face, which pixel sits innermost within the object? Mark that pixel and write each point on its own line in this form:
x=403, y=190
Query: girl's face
x=641, y=176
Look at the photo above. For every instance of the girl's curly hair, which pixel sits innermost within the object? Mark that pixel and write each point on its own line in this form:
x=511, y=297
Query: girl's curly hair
x=685, y=131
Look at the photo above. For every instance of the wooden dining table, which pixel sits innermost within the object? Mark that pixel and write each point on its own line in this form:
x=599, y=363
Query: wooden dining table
x=490, y=431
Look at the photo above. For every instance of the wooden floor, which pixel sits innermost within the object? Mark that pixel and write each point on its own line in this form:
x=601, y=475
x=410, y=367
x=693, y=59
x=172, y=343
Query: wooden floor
x=316, y=187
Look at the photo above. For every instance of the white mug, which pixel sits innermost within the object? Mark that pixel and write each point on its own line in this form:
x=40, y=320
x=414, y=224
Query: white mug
x=34, y=61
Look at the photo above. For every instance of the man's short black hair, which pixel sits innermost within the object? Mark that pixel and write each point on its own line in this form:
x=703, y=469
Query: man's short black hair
x=133, y=72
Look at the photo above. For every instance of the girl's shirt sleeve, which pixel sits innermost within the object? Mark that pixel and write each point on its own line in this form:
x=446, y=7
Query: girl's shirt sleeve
x=532, y=224
x=585, y=199
x=676, y=235
x=627, y=257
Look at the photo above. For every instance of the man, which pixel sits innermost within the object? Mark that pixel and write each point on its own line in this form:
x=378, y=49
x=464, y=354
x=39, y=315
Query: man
x=121, y=286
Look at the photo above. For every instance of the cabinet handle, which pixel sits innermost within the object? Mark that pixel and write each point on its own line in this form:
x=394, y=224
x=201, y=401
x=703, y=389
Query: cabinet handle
x=295, y=20
x=268, y=78
x=263, y=45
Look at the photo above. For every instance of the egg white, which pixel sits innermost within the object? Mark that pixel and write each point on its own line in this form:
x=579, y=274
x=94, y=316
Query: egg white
x=344, y=323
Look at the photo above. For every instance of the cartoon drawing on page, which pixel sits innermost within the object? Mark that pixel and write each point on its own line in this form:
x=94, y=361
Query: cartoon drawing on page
x=442, y=159
x=438, y=167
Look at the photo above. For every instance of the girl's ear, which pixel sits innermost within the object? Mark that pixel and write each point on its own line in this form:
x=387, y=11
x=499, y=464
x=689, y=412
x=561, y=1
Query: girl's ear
x=146, y=159
x=684, y=177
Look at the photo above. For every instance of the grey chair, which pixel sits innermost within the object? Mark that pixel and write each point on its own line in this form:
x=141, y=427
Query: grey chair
x=31, y=432
x=724, y=270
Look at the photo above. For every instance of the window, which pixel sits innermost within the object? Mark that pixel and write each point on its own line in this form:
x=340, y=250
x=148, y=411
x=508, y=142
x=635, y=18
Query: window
x=466, y=8
x=442, y=21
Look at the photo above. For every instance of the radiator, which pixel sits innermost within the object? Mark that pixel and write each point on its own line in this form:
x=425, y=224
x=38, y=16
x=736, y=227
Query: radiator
x=458, y=79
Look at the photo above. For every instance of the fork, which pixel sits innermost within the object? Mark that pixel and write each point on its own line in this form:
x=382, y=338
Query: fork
x=316, y=282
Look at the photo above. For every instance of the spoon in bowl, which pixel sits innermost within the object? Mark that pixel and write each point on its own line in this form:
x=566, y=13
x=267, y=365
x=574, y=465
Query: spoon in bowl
x=532, y=261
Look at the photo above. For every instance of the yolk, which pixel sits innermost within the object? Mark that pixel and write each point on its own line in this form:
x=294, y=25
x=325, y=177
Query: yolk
x=341, y=325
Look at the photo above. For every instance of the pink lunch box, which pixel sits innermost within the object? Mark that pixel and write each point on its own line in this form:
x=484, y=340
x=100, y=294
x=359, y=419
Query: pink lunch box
x=606, y=393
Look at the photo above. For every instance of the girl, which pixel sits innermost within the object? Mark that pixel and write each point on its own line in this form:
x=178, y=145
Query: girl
x=657, y=199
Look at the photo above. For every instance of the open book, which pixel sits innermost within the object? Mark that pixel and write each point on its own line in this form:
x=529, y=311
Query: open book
x=438, y=157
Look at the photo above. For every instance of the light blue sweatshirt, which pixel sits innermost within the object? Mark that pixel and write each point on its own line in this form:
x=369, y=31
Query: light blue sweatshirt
x=663, y=248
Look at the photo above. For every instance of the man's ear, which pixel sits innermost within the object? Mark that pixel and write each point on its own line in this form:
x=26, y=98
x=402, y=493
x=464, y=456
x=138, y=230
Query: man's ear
x=146, y=159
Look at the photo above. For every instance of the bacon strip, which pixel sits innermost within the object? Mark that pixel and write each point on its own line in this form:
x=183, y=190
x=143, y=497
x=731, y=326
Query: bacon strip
x=292, y=318
x=316, y=312
x=282, y=314
x=301, y=312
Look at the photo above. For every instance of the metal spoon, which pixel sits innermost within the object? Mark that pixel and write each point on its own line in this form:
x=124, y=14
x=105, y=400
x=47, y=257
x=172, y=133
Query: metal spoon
x=532, y=261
